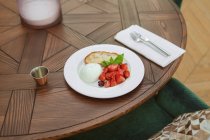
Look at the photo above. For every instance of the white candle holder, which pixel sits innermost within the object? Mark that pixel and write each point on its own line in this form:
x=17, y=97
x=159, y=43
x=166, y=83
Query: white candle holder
x=39, y=14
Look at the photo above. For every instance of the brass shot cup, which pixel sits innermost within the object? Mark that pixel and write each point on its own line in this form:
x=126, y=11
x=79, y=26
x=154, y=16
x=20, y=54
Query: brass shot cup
x=40, y=75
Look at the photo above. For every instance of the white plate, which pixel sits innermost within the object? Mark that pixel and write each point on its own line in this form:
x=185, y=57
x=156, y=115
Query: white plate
x=75, y=61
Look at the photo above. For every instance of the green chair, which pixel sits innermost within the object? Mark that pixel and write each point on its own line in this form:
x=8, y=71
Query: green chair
x=140, y=124
x=178, y=3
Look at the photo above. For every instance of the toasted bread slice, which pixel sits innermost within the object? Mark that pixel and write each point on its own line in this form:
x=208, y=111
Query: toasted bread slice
x=99, y=56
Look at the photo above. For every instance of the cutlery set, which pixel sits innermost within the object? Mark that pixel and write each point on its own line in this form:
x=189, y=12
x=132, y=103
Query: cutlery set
x=137, y=37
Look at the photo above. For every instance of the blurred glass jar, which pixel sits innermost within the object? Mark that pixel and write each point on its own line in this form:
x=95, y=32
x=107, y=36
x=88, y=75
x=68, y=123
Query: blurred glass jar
x=39, y=14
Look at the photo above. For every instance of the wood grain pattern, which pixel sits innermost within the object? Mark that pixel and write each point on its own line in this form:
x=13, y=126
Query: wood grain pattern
x=19, y=112
x=85, y=28
x=32, y=55
x=57, y=62
x=101, y=34
x=8, y=17
x=85, y=9
x=24, y=81
x=70, y=36
x=16, y=81
x=12, y=21
x=11, y=34
x=10, y=4
x=86, y=18
x=129, y=15
x=5, y=28
x=4, y=101
x=8, y=65
x=70, y=4
x=158, y=15
x=53, y=99
x=104, y=6
x=29, y=111
x=114, y=2
x=154, y=6
x=15, y=47
x=53, y=45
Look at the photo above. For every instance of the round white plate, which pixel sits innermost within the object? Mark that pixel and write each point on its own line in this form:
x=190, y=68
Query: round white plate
x=75, y=62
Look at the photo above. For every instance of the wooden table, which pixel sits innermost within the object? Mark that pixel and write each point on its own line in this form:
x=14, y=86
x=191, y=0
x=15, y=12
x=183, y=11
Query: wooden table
x=31, y=112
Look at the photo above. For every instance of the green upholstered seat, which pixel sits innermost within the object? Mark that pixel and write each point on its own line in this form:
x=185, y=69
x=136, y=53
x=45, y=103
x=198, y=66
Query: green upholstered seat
x=140, y=124
x=176, y=99
x=178, y=3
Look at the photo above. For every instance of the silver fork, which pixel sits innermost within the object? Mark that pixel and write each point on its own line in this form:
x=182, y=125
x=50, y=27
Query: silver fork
x=139, y=38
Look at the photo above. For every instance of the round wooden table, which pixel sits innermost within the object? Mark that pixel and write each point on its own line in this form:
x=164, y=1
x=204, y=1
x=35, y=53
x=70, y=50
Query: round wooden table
x=28, y=111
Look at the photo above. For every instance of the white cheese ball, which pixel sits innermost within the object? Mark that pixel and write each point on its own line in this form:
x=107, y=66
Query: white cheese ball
x=90, y=72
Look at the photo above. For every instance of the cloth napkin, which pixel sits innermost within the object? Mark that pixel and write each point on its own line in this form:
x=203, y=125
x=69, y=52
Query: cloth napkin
x=174, y=51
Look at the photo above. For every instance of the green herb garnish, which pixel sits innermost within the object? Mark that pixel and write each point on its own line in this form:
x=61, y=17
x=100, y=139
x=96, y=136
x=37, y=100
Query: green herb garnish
x=117, y=60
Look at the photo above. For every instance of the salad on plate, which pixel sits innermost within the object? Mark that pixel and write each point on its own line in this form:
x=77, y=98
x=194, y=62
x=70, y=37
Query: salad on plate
x=108, y=69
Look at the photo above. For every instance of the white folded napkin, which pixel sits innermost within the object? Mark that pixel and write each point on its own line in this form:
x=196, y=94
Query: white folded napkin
x=174, y=51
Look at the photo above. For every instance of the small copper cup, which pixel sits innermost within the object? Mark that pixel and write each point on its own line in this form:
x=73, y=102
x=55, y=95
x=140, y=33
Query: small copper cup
x=40, y=75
